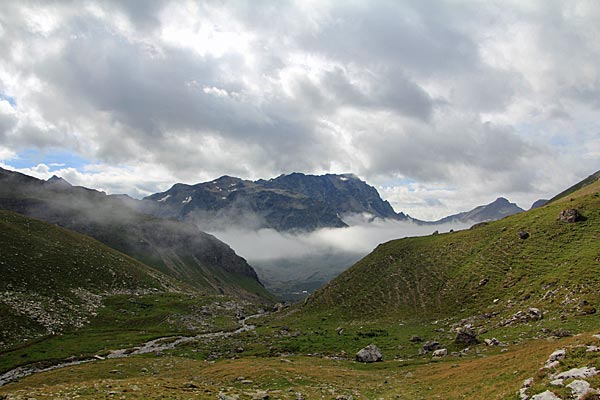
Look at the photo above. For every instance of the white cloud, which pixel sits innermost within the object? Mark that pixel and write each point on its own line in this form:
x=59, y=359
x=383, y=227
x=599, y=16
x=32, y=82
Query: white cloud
x=360, y=238
x=481, y=100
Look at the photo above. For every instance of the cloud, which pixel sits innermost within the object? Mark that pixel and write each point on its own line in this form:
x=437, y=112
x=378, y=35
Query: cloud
x=360, y=238
x=473, y=98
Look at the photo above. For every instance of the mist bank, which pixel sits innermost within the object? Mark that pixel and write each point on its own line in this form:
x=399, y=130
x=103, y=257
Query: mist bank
x=360, y=237
x=293, y=265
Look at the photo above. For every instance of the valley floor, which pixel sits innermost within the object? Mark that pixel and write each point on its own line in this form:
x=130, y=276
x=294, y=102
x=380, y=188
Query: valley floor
x=494, y=375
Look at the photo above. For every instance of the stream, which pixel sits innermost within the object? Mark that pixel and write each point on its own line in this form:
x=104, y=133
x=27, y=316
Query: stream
x=152, y=346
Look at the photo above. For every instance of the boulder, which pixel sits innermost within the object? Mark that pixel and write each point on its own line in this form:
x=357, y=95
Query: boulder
x=535, y=313
x=415, y=339
x=369, y=354
x=578, y=373
x=430, y=345
x=440, y=353
x=492, y=342
x=547, y=395
x=465, y=336
x=523, y=234
x=570, y=215
x=579, y=388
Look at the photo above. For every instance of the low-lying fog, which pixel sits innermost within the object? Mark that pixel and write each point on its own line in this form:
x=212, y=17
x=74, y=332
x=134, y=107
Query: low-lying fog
x=292, y=265
x=361, y=237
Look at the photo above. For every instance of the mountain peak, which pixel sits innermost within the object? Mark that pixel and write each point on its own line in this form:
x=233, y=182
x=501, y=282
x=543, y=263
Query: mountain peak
x=58, y=181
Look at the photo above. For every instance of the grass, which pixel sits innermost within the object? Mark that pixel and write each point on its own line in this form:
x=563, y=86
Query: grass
x=127, y=321
x=494, y=376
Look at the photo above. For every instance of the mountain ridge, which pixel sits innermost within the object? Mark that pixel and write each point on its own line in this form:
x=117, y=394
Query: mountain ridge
x=293, y=202
x=178, y=249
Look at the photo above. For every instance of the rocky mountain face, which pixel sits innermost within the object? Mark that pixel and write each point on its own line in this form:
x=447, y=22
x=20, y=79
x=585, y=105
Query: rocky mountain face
x=175, y=248
x=497, y=209
x=286, y=203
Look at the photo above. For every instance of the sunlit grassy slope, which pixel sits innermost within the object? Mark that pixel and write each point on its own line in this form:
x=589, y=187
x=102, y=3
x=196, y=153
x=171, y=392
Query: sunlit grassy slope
x=488, y=268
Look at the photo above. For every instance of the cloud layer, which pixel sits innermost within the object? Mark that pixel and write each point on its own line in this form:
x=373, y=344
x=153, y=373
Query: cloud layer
x=442, y=105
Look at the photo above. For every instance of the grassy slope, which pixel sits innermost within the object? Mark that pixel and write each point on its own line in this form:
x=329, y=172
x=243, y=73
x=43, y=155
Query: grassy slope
x=438, y=276
x=58, y=281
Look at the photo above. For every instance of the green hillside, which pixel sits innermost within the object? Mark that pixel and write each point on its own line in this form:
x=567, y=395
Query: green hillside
x=63, y=294
x=487, y=268
x=54, y=279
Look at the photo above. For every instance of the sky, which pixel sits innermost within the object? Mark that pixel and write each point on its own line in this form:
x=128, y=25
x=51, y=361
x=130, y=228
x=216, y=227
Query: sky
x=441, y=105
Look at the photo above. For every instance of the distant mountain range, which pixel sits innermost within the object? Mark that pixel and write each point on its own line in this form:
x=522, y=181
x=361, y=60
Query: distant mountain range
x=294, y=202
x=175, y=248
x=497, y=209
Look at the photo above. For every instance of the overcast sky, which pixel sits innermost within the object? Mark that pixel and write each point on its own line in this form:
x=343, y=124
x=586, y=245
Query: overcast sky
x=440, y=105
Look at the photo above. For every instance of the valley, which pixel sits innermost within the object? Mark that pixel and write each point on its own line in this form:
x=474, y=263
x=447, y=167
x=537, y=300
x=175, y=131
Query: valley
x=460, y=314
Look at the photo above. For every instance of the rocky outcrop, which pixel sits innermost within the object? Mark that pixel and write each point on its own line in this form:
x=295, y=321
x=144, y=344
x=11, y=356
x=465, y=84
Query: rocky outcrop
x=369, y=354
x=465, y=336
x=569, y=215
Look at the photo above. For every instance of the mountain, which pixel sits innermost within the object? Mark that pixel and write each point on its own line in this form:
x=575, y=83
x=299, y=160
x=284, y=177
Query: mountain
x=539, y=203
x=54, y=279
x=286, y=203
x=175, y=248
x=497, y=209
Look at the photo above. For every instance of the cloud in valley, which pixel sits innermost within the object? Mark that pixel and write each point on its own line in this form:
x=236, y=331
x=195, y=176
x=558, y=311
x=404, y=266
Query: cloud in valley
x=360, y=238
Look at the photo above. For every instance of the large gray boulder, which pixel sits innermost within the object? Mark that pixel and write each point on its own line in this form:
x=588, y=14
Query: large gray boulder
x=369, y=354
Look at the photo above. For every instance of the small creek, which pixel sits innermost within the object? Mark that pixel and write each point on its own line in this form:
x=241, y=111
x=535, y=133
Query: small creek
x=152, y=346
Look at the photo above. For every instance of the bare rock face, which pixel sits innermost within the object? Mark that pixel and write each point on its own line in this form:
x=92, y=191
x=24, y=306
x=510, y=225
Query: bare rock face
x=569, y=215
x=369, y=354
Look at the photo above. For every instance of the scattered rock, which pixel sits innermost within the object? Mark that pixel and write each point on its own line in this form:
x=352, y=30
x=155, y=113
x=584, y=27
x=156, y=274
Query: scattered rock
x=465, y=336
x=561, y=333
x=592, y=349
x=578, y=373
x=558, y=382
x=260, y=395
x=483, y=282
x=223, y=396
x=415, y=339
x=569, y=215
x=190, y=385
x=492, y=342
x=369, y=354
x=430, y=345
x=551, y=364
x=114, y=371
x=535, y=313
x=440, y=353
x=579, y=388
x=523, y=235
x=555, y=357
x=547, y=395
